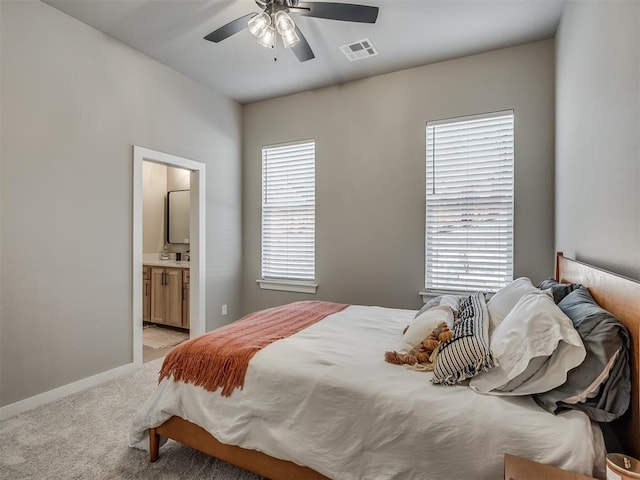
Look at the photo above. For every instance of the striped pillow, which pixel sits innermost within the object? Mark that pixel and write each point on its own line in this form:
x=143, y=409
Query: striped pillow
x=467, y=353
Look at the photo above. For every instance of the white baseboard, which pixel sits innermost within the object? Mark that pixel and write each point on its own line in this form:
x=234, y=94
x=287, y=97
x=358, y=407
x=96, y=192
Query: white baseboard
x=57, y=393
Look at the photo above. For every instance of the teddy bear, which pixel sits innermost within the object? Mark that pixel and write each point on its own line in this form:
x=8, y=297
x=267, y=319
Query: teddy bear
x=424, y=355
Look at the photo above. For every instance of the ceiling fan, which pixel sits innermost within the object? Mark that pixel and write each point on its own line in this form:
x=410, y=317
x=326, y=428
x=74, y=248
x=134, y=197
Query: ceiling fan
x=275, y=18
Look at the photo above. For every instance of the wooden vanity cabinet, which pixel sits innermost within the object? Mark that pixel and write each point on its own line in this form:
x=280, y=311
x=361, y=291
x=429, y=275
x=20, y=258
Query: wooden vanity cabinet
x=167, y=296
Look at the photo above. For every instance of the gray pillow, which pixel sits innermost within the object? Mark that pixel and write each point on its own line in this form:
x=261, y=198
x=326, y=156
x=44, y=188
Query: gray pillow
x=604, y=337
x=559, y=290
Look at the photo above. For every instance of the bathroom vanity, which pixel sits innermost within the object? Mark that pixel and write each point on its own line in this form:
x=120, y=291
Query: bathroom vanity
x=165, y=290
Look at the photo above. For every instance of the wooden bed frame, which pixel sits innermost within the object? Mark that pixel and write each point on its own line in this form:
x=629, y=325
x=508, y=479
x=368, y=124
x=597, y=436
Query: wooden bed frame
x=621, y=297
x=617, y=294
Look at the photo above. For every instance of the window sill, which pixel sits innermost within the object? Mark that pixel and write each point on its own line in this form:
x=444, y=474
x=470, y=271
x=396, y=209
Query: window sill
x=288, y=286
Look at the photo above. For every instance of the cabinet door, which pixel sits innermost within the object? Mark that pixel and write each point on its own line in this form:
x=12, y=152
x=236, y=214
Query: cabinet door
x=185, y=299
x=173, y=297
x=146, y=300
x=158, y=300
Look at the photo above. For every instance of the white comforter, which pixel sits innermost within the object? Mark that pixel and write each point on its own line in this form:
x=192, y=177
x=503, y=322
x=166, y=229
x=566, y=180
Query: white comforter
x=325, y=398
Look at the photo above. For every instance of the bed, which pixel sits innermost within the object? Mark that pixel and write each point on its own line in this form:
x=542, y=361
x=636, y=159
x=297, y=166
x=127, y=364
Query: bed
x=307, y=422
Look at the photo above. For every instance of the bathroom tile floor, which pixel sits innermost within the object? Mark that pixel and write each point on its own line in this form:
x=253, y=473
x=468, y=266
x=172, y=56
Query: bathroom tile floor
x=149, y=353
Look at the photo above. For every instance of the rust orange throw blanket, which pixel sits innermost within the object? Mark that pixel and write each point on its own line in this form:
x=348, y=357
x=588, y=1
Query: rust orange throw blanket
x=220, y=359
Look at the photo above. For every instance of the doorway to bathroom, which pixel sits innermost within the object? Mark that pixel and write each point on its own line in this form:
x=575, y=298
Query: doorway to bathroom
x=165, y=258
x=168, y=252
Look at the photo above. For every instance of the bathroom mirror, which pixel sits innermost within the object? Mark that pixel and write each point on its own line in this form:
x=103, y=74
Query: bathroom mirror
x=178, y=207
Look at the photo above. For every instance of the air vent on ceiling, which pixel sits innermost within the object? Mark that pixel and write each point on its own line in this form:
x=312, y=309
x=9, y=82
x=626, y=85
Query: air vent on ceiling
x=359, y=50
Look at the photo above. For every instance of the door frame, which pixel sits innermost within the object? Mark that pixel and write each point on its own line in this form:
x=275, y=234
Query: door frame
x=197, y=227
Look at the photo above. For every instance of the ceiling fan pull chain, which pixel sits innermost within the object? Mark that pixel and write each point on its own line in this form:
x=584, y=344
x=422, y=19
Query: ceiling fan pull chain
x=275, y=50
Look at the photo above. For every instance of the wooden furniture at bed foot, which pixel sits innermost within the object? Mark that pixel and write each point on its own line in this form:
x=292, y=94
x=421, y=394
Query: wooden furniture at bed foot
x=518, y=468
x=169, y=293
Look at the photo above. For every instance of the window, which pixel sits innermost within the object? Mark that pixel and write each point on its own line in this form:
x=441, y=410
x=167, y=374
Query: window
x=469, y=221
x=288, y=217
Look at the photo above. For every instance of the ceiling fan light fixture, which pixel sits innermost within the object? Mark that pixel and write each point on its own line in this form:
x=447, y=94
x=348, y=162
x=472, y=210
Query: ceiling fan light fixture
x=283, y=22
x=268, y=37
x=258, y=24
x=290, y=39
x=286, y=28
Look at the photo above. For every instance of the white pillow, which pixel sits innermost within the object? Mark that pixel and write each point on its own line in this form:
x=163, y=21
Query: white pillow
x=506, y=298
x=592, y=390
x=423, y=325
x=535, y=346
x=452, y=301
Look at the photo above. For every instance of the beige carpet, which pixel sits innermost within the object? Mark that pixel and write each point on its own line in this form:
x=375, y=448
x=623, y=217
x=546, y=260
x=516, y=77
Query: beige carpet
x=85, y=437
x=159, y=337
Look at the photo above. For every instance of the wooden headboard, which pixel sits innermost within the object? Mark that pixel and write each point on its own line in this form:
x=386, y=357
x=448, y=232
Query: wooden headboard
x=621, y=297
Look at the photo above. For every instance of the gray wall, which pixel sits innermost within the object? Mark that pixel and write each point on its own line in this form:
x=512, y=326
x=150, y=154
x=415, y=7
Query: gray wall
x=73, y=103
x=598, y=134
x=370, y=170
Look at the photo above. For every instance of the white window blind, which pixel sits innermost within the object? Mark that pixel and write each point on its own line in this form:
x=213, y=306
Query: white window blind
x=288, y=212
x=469, y=223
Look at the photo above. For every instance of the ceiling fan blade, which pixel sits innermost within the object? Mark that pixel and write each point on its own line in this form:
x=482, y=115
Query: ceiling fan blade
x=302, y=49
x=347, y=12
x=230, y=28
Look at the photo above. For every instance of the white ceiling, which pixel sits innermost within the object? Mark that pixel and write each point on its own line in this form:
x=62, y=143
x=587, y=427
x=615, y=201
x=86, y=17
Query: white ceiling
x=408, y=33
